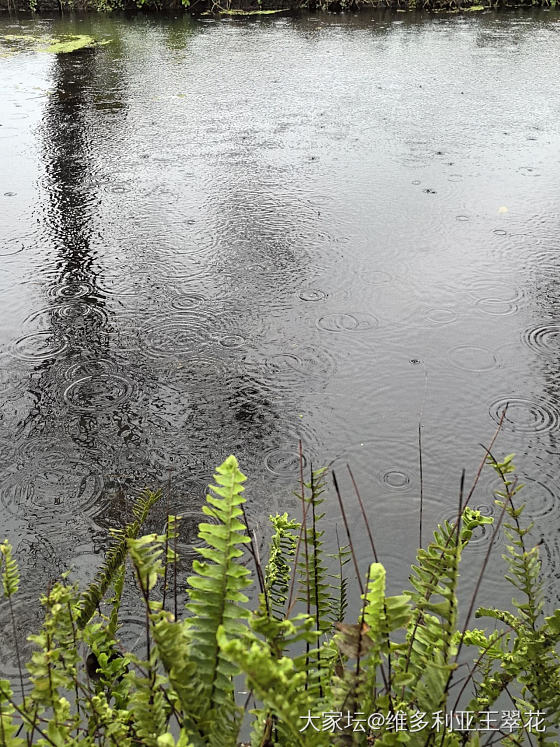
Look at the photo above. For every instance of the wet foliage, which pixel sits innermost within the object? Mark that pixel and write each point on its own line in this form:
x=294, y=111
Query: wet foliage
x=298, y=656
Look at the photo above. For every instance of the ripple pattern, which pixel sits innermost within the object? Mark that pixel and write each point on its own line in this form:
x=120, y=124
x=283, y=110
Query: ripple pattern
x=39, y=346
x=71, y=290
x=525, y=415
x=283, y=462
x=312, y=294
x=314, y=362
x=173, y=337
x=233, y=341
x=396, y=479
x=345, y=322
x=543, y=339
x=10, y=247
x=541, y=495
x=70, y=314
x=193, y=294
x=495, y=298
x=52, y=484
x=187, y=301
x=473, y=358
x=98, y=393
x=441, y=316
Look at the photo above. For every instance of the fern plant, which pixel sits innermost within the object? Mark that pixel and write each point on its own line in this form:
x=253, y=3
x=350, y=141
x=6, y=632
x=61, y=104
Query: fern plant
x=526, y=651
x=314, y=678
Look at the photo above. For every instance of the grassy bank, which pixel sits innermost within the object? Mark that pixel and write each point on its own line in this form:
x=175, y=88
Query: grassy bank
x=297, y=667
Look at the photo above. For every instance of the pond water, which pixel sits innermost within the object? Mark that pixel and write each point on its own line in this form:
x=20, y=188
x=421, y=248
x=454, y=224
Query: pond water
x=221, y=237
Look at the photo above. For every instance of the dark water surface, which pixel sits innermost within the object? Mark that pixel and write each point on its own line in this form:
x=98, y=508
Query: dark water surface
x=219, y=237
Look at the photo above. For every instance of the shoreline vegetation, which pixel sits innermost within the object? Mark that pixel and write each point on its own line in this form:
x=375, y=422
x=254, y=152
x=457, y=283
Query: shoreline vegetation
x=266, y=8
x=294, y=666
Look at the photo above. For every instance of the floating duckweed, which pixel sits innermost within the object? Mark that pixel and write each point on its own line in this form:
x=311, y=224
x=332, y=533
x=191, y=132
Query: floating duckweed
x=66, y=44
x=54, y=45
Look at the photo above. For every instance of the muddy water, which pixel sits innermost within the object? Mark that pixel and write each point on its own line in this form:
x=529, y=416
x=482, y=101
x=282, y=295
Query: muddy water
x=223, y=237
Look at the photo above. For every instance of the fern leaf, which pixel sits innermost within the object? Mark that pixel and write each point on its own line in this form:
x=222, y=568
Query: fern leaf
x=115, y=558
x=279, y=685
x=216, y=588
x=10, y=572
x=8, y=729
x=278, y=570
x=146, y=555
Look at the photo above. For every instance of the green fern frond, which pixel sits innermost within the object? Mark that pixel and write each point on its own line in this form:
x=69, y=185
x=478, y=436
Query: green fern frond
x=151, y=710
x=432, y=627
x=53, y=666
x=8, y=728
x=10, y=572
x=278, y=570
x=146, y=554
x=528, y=655
x=115, y=558
x=319, y=591
x=216, y=587
x=524, y=563
x=115, y=602
x=172, y=645
x=340, y=602
x=279, y=684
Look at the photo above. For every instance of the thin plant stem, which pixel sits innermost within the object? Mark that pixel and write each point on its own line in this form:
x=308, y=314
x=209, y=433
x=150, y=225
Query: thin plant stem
x=388, y=679
x=291, y=600
x=166, y=547
x=304, y=524
x=316, y=577
x=255, y=555
x=487, y=451
x=477, y=663
x=455, y=528
x=362, y=509
x=421, y=484
x=25, y=717
x=20, y=668
x=175, y=606
x=525, y=729
x=356, y=568
x=306, y=548
x=350, y=543
x=477, y=586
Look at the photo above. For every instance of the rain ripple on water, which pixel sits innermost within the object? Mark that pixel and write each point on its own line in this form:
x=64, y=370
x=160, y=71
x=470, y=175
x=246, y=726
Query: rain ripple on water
x=526, y=415
x=98, y=393
x=52, y=483
x=346, y=322
x=39, y=346
x=473, y=358
x=543, y=339
x=313, y=362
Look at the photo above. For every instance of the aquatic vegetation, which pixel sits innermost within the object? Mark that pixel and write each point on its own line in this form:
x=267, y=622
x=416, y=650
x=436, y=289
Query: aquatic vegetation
x=63, y=44
x=314, y=679
x=246, y=13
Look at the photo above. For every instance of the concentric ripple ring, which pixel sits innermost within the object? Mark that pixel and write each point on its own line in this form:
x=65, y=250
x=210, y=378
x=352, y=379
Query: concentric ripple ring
x=525, y=415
